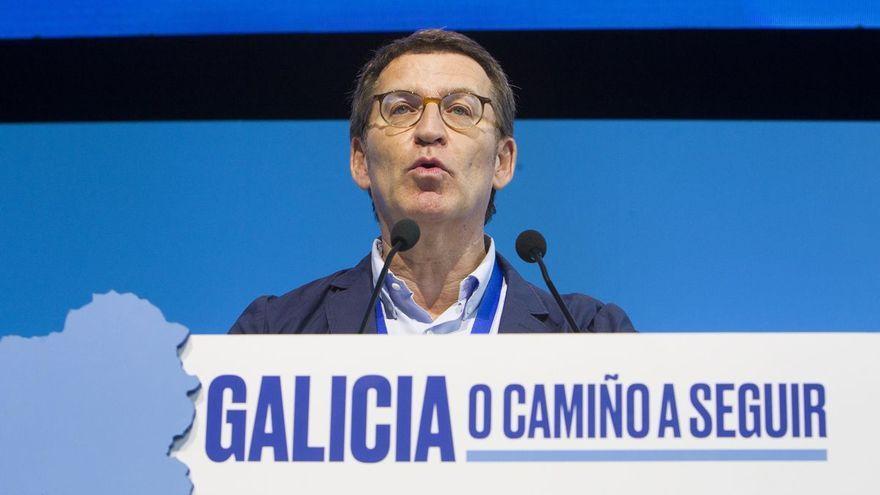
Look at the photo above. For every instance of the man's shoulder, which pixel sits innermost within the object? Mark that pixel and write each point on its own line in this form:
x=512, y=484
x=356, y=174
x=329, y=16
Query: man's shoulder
x=596, y=316
x=297, y=311
x=591, y=314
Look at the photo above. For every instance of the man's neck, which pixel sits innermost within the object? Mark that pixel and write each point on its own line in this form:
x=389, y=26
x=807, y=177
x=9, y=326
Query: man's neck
x=435, y=267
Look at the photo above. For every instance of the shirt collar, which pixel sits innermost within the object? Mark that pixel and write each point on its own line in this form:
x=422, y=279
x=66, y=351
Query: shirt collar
x=396, y=296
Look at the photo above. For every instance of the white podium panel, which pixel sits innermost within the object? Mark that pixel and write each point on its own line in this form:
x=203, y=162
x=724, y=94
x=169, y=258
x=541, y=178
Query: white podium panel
x=535, y=414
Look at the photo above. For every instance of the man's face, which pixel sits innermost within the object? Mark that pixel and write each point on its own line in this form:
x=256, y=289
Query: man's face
x=431, y=172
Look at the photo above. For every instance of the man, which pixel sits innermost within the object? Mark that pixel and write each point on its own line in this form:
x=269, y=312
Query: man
x=431, y=133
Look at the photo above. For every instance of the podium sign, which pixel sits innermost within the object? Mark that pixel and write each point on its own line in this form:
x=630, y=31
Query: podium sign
x=647, y=413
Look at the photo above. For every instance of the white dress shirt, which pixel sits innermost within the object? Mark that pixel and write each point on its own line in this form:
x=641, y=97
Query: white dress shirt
x=403, y=316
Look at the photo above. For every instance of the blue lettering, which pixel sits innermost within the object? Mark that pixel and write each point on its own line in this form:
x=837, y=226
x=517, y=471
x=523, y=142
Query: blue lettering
x=783, y=410
x=509, y=430
x=814, y=409
x=234, y=418
x=301, y=449
x=539, y=417
x=795, y=410
x=632, y=409
x=706, y=429
x=404, y=418
x=565, y=412
x=337, y=419
x=669, y=412
x=610, y=410
x=591, y=410
x=486, y=393
x=359, y=449
x=721, y=409
x=435, y=404
x=269, y=403
x=749, y=412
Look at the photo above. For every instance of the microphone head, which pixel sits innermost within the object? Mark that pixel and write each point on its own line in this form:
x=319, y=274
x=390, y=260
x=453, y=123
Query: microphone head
x=528, y=244
x=406, y=232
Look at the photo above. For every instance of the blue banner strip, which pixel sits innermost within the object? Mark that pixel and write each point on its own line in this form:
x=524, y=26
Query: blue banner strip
x=647, y=455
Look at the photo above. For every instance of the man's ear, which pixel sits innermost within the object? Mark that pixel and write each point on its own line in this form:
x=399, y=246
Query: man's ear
x=505, y=162
x=358, y=164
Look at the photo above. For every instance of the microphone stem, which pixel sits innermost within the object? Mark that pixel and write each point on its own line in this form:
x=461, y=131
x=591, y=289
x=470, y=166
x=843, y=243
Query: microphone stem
x=378, y=287
x=540, y=260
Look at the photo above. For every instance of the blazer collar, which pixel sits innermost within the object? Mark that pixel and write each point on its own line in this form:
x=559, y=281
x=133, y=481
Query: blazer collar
x=524, y=311
x=348, y=299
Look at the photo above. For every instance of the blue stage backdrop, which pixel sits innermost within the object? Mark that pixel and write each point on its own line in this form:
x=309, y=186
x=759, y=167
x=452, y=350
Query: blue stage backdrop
x=688, y=225
x=84, y=18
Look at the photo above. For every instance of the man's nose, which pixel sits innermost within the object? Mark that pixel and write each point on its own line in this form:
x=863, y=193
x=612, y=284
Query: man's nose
x=430, y=128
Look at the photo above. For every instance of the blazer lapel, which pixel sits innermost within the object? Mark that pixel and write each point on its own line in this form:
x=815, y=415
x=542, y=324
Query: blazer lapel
x=524, y=311
x=348, y=299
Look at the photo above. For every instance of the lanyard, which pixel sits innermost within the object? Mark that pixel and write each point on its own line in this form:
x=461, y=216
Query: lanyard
x=485, y=313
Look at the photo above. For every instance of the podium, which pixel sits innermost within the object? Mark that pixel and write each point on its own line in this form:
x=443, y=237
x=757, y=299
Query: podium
x=600, y=413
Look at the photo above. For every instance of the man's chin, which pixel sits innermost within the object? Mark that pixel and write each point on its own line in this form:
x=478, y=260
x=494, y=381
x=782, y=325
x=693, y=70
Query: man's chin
x=425, y=212
x=431, y=215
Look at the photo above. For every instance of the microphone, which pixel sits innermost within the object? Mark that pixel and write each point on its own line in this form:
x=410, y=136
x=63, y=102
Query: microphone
x=531, y=247
x=404, y=235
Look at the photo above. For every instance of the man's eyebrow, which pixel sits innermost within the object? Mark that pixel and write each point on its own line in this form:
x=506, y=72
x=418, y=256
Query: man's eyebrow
x=458, y=90
x=442, y=93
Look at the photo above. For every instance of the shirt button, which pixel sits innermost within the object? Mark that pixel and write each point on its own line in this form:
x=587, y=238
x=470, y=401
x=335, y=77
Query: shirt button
x=395, y=286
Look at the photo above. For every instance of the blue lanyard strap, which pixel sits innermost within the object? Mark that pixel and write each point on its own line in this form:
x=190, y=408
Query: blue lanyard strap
x=485, y=313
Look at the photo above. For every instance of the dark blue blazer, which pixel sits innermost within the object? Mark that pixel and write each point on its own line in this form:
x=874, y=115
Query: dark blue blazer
x=336, y=304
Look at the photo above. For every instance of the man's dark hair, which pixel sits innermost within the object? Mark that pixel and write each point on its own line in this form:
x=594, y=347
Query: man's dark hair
x=433, y=41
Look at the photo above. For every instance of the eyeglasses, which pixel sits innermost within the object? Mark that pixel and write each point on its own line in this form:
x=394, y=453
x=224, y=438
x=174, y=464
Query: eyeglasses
x=459, y=110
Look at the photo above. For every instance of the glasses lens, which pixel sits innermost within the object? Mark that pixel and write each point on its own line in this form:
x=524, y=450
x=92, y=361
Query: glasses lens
x=401, y=109
x=461, y=110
